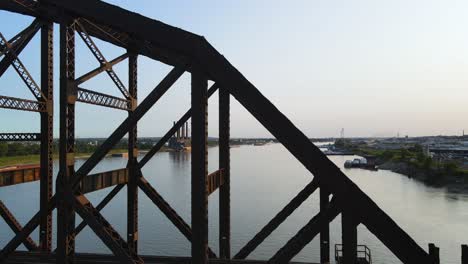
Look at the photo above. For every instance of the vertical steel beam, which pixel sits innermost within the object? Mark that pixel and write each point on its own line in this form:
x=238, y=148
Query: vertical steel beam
x=199, y=167
x=464, y=254
x=349, y=237
x=47, y=136
x=224, y=163
x=325, y=232
x=65, y=211
x=132, y=187
x=434, y=254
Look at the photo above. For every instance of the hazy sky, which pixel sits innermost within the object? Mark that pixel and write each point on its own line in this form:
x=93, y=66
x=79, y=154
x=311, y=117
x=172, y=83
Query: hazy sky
x=374, y=68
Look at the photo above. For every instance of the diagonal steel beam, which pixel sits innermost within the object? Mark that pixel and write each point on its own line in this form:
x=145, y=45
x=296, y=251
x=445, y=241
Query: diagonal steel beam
x=18, y=38
x=100, y=206
x=32, y=224
x=85, y=77
x=306, y=234
x=100, y=57
x=104, y=230
x=172, y=131
x=21, y=70
x=277, y=220
x=16, y=226
x=24, y=38
x=149, y=101
x=129, y=122
x=167, y=210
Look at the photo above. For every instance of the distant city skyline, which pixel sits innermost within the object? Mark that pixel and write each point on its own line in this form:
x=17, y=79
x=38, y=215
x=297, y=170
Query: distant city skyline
x=374, y=68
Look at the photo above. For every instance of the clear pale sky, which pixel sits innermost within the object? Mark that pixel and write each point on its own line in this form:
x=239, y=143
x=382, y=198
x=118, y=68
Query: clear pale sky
x=374, y=68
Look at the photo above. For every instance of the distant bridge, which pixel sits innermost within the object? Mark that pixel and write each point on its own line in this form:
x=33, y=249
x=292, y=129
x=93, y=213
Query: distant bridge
x=186, y=52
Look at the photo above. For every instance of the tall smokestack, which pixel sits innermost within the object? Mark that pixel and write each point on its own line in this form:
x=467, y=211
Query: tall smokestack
x=186, y=129
x=178, y=132
x=174, y=125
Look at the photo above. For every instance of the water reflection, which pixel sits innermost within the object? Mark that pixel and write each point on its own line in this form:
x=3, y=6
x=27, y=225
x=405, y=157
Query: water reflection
x=264, y=179
x=178, y=157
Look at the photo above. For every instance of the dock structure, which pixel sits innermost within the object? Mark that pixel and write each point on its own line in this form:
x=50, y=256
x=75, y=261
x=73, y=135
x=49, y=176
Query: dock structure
x=185, y=52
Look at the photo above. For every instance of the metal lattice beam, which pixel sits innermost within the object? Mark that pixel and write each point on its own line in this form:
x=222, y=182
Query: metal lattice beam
x=26, y=36
x=130, y=121
x=21, y=70
x=4, y=137
x=22, y=104
x=102, y=60
x=96, y=98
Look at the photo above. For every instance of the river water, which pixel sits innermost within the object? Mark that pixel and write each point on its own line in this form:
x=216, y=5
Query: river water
x=264, y=179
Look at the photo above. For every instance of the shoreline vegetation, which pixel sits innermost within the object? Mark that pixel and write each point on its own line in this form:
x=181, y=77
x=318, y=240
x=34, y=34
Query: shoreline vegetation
x=16, y=153
x=34, y=158
x=413, y=162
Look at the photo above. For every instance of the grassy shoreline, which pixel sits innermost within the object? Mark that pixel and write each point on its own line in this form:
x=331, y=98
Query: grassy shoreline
x=34, y=159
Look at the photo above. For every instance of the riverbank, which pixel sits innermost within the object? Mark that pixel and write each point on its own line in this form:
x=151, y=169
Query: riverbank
x=413, y=162
x=34, y=159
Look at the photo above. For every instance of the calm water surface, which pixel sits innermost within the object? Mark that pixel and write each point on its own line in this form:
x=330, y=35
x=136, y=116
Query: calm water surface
x=264, y=179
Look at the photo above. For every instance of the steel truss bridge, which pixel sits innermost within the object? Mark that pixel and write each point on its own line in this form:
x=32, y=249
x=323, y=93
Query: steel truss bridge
x=185, y=52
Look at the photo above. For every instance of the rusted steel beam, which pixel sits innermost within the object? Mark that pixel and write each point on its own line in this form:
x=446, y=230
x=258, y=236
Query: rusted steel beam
x=47, y=135
x=167, y=210
x=132, y=165
x=97, y=258
x=130, y=121
x=172, y=131
x=29, y=33
x=21, y=69
x=199, y=167
x=349, y=237
x=32, y=224
x=98, y=55
x=96, y=98
x=214, y=181
x=277, y=220
x=5, y=137
x=65, y=211
x=104, y=230
x=16, y=226
x=98, y=70
x=117, y=135
x=18, y=38
x=101, y=31
x=22, y=104
x=101, y=205
x=305, y=235
x=13, y=175
x=325, y=231
x=102, y=180
x=225, y=165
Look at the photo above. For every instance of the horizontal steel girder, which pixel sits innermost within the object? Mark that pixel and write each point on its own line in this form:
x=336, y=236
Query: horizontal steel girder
x=20, y=137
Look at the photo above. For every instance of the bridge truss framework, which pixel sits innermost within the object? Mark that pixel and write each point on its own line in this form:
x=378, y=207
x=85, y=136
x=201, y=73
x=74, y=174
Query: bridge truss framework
x=186, y=52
